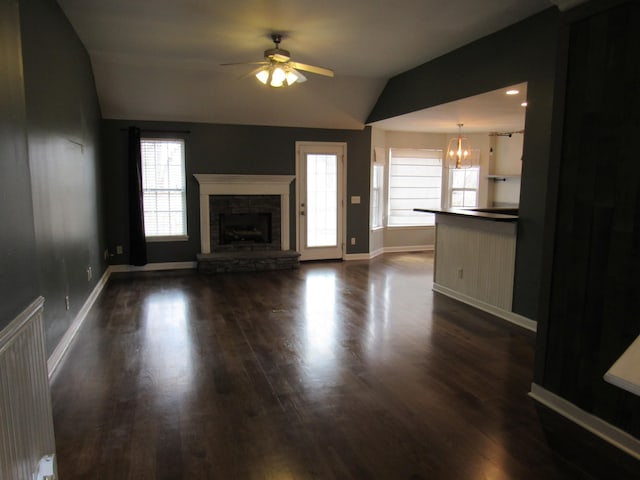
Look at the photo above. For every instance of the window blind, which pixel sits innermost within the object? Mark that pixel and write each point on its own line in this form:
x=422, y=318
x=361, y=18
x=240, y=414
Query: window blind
x=415, y=181
x=163, y=187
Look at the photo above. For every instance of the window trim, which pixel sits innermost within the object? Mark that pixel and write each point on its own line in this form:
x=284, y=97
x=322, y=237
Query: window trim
x=381, y=202
x=167, y=238
x=182, y=237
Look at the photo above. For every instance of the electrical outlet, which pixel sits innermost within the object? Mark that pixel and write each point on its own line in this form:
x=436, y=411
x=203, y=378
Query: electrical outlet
x=460, y=273
x=66, y=302
x=119, y=249
x=46, y=468
x=353, y=240
x=89, y=274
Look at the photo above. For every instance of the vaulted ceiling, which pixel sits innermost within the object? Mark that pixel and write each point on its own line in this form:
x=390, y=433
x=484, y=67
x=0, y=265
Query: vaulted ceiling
x=161, y=60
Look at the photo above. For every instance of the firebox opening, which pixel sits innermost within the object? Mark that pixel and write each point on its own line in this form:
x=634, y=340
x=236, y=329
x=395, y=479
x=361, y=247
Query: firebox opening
x=245, y=228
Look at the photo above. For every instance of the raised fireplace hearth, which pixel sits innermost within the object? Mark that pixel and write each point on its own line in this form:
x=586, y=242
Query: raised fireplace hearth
x=248, y=261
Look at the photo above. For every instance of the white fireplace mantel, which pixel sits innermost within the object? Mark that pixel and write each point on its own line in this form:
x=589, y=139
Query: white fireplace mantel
x=212, y=184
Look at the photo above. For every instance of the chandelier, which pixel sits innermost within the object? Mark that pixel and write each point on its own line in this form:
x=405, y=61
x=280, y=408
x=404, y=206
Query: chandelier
x=459, y=154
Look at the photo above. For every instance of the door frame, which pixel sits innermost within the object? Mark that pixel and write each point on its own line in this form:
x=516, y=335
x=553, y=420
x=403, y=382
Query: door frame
x=342, y=190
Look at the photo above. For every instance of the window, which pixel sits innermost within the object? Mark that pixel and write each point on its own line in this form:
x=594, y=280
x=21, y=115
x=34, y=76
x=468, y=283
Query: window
x=415, y=181
x=464, y=187
x=377, y=185
x=163, y=188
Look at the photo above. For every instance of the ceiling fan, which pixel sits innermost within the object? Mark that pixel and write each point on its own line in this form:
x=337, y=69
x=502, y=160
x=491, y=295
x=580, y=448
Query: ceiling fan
x=278, y=69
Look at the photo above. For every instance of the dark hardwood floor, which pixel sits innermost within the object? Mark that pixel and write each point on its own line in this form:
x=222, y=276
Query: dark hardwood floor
x=345, y=370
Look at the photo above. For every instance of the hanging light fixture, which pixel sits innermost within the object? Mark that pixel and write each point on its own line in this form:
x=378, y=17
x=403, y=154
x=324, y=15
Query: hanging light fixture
x=278, y=70
x=278, y=74
x=459, y=154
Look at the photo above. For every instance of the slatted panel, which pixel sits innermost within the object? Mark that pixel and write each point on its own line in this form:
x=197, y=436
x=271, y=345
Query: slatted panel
x=485, y=251
x=26, y=426
x=594, y=311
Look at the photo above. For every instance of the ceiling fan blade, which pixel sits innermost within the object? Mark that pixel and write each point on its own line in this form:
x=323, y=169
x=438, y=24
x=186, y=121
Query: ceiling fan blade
x=244, y=63
x=311, y=68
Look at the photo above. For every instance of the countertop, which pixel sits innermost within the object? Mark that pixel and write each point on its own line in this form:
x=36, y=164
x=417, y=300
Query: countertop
x=625, y=373
x=483, y=213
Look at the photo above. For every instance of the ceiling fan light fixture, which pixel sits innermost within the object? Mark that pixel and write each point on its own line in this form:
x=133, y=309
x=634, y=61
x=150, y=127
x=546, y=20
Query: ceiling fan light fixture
x=278, y=70
x=271, y=75
x=291, y=78
x=294, y=76
x=278, y=77
x=263, y=76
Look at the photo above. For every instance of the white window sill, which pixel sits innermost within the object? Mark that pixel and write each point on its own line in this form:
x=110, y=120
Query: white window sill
x=174, y=238
x=375, y=229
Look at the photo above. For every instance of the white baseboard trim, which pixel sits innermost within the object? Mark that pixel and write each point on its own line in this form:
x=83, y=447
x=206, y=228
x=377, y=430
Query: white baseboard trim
x=380, y=251
x=65, y=342
x=609, y=433
x=153, y=267
x=410, y=248
x=357, y=256
x=512, y=317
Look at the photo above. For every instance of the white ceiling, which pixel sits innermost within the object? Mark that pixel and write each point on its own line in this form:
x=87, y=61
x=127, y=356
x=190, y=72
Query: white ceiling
x=493, y=111
x=161, y=60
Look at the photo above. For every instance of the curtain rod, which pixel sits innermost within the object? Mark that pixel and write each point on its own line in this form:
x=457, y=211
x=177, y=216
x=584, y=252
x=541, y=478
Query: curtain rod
x=152, y=130
x=504, y=134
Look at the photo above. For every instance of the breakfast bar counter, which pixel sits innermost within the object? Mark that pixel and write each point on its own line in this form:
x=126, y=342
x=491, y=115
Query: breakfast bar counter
x=494, y=214
x=474, y=260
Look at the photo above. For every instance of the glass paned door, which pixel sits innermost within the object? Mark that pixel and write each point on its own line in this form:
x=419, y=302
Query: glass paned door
x=322, y=200
x=320, y=170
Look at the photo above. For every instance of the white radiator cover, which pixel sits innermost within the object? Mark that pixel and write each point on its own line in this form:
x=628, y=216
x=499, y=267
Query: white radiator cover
x=26, y=421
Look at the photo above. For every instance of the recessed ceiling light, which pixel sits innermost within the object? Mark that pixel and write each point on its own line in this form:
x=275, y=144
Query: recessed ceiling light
x=523, y=104
x=513, y=92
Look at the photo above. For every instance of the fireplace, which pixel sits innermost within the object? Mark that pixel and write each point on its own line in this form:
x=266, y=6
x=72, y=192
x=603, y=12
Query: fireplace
x=244, y=222
x=260, y=194
x=244, y=228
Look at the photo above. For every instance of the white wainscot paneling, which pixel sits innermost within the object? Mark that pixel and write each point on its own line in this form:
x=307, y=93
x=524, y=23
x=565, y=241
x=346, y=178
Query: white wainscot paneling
x=476, y=258
x=26, y=426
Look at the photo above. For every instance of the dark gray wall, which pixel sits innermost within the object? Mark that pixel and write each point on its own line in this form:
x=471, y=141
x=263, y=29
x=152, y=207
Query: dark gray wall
x=228, y=149
x=523, y=52
x=17, y=241
x=593, y=313
x=63, y=126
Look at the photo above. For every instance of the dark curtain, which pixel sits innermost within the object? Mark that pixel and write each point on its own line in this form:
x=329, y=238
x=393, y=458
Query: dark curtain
x=137, y=241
